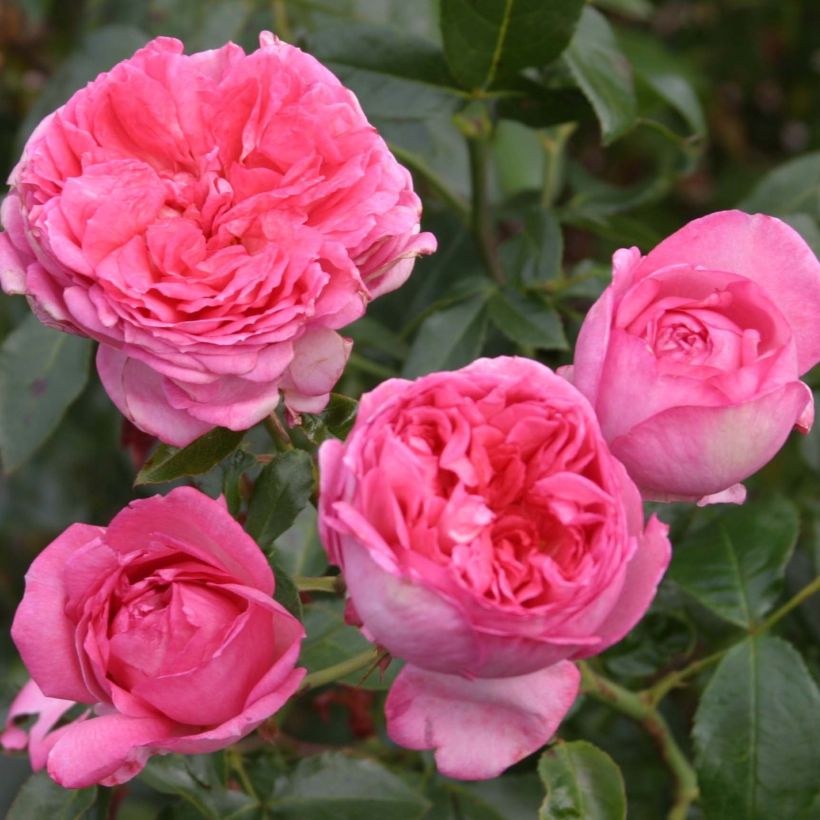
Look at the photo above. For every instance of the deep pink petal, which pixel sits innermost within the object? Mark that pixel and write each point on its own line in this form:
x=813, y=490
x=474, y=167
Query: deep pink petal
x=479, y=727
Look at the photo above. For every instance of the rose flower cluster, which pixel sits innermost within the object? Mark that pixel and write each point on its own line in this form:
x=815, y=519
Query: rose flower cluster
x=212, y=221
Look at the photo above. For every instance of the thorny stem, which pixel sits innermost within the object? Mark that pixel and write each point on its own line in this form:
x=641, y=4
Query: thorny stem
x=363, y=660
x=639, y=709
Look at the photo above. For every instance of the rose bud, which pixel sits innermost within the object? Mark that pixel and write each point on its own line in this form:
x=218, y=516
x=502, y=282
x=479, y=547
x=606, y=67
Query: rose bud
x=488, y=538
x=692, y=356
x=165, y=623
x=211, y=220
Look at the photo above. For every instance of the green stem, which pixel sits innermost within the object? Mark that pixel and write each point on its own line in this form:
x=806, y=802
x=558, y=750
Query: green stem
x=477, y=132
x=278, y=434
x=794, y=602
x=238, y=765
x=367, y=366
x=639, y=709
x=326, y=583
x=658, y=691
x=554, y=141
x=363, y=660
x=281, y=22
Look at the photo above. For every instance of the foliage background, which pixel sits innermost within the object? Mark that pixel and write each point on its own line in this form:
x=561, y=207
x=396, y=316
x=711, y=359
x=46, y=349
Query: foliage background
x=676, y=108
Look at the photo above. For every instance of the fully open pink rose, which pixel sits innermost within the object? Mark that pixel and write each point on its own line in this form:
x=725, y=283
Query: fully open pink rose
x=691, y=357
x=487, y=537
x=164, y=622
x=211, y=220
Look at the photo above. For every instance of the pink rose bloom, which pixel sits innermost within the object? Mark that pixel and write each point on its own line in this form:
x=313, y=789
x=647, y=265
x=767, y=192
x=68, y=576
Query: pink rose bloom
x=211, y=220
x=692, y=356
x=164, y=621
x=489, y=538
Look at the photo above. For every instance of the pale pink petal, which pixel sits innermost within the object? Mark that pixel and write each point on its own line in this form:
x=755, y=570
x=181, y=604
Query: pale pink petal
x=591, y=347
x=736, y=494
x=763, y=249
x=690, y=452
x=479, y=727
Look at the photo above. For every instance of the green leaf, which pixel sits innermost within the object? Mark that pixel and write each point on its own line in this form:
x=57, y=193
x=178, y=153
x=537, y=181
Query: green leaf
x=582, y=782
x=489, y=39
x=299, y=550
x=287, y=593
x=330, y=641
x=534, y=255
x=333, y=786
x=636, y=9
x=604, y=75
x=448, y=339
x=527, y=321
x=281, y=491
x=41, y=797
x=757, y=735
x=511, y=797
x=170, y=463
x=791, y=187
x=734, y=565
x=539, y=106
x=42, y=371
x=196, y=780
x=339, y=415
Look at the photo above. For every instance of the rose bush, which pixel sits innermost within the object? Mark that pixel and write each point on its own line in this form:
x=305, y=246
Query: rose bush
x=488, y=538
x=164, y=622
x=692, y=356
x=211, y=220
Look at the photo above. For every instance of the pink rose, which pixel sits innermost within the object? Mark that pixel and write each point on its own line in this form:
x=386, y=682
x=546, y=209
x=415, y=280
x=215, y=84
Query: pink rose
x=691, y=357
x=211, y=220
x=165, y=622
x=488, y=538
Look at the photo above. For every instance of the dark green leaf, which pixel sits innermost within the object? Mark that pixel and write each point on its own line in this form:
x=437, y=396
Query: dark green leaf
x=330, y=640
x=287, y=592
x=370, y=332
x=170, y=463
x=637, y=9
x=339, y=415
x=448, y=339
x=333, y=786
x=534, y=255
x=539, y=106
x=757, y=734
x=582, y=782
x=527, y=321
x=42, y=371
x=196, y=780
x=237, y=465
x=489, y=39
x=41, y=797
x=603, y=74
x=791, y=187
x=734, y=565
x=282, y=490
x=511, y=797
x=299, y=550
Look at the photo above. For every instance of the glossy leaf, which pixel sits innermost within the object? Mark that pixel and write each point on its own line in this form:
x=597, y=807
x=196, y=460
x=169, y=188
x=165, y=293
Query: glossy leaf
x=527, y=321
x=448, y=339
x=42, y=371
x=604, y=75
x=170, y=463
x=41, y=797
x=287, y=593
x=582, y=782
x=734, y=565
x=333, y=786
x=281, y=492
x=757, y=734
x=489, y=39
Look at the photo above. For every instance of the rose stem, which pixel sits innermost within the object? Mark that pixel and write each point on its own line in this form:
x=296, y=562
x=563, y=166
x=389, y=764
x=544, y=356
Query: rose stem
x=365, y=659
x=325, y=583
x=637, y=707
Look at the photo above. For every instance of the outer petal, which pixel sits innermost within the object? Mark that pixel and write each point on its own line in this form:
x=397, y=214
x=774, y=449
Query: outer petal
x=413, y=622
x=591, y=347
x=643, y=574
x=137, y=391
x=765, y=250
x=41, y=631
x=690, y=452
x=108, y=750
x=479, y=727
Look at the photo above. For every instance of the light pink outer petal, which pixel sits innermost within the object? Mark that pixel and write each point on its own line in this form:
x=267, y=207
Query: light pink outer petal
x=108, y=750
x=31, y=701
x=413, y=622
x=763, y=249
x=479, y=727
x=396, y=272
x=137, y=391
x=690, y=452
x=319, y=359
x=41, y=631
x=591, y=347
x=643, y=574
x=205, y=528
